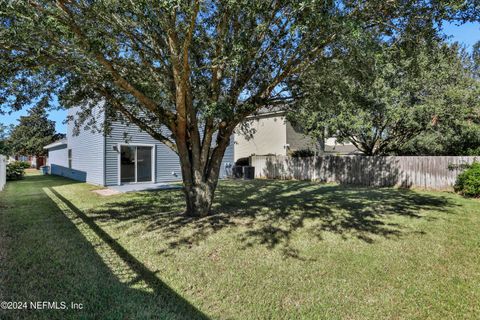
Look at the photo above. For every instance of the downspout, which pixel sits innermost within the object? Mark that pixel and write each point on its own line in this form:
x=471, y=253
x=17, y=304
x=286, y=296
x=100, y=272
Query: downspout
x=104, y=148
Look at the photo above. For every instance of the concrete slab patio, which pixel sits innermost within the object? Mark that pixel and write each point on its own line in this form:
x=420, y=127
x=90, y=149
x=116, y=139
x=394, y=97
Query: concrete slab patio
x=135, y=187
x=106, y=192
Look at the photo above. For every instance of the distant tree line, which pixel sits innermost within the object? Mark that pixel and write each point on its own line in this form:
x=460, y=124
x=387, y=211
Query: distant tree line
x=30, y=135
x=410, y=96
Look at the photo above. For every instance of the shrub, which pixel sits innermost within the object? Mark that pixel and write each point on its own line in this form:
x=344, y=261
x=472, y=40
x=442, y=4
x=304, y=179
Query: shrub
x=24, y=164
x=468, y=182
x=242, y=162
x=15, y=171
x=302, y=153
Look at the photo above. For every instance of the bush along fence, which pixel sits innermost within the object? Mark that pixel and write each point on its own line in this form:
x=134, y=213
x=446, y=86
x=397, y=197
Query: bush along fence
x=427, y=172
x=3, y=172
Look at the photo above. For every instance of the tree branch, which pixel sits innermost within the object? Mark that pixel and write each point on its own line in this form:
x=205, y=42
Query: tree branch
x=164, y=115
x=139, y=122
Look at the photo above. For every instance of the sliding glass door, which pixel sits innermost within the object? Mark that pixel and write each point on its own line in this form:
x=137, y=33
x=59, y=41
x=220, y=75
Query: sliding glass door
x=136, y=164
x=127, y=163
x=144, y=164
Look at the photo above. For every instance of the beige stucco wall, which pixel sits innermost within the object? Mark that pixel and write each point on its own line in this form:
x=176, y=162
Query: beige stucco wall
x=299, y=141
x=270, y=137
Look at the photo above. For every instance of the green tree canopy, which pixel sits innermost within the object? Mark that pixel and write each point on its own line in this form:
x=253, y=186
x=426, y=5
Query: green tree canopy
x=476, y=58
x=33, y=132
x=195, y=67
x=4, y=134
x=382, y=95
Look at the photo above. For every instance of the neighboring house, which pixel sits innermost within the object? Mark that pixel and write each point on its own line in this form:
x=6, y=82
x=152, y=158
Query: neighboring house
x=272, y=134
x=332, y=146
x=125, y=155
x=35, y=162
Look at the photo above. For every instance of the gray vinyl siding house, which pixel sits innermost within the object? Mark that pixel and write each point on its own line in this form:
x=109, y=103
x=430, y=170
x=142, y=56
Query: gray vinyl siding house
x=58, y=153
x=125, y=155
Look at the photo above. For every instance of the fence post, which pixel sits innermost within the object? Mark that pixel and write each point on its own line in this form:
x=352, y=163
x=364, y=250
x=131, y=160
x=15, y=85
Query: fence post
x=3, y=172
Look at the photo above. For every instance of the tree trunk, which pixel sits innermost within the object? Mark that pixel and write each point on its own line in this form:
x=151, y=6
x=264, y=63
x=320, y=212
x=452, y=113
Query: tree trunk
x=321, y=142
x=199, y=198
x=200, y=178
x=200, y=190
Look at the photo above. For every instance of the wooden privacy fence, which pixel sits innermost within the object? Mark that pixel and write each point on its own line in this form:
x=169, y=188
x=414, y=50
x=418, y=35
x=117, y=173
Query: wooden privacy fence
x=426, y=172
x=3, y=172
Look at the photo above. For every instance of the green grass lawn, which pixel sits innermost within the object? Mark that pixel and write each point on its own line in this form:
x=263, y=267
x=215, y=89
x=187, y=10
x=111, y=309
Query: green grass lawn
x=273, y=249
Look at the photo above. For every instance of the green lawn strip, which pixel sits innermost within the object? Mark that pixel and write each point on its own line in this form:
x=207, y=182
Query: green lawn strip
x=273, y=249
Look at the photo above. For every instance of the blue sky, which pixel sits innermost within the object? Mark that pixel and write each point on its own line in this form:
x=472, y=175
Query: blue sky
x=466, y=34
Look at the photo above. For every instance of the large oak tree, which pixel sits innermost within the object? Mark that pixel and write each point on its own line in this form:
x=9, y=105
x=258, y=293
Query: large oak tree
x=196, y=68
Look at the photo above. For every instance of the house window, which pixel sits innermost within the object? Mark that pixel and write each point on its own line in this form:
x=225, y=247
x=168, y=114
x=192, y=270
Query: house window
x=70, y=158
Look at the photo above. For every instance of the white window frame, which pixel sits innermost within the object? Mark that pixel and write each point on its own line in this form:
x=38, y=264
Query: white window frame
x=119, y=169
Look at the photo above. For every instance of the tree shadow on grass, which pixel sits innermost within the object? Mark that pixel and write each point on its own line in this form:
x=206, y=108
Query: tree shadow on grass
x=269, y=213
x=171, y=303
x=63, y=255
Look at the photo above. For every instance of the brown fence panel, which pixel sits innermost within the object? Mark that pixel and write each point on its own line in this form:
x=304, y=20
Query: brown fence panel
x=426, y=172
